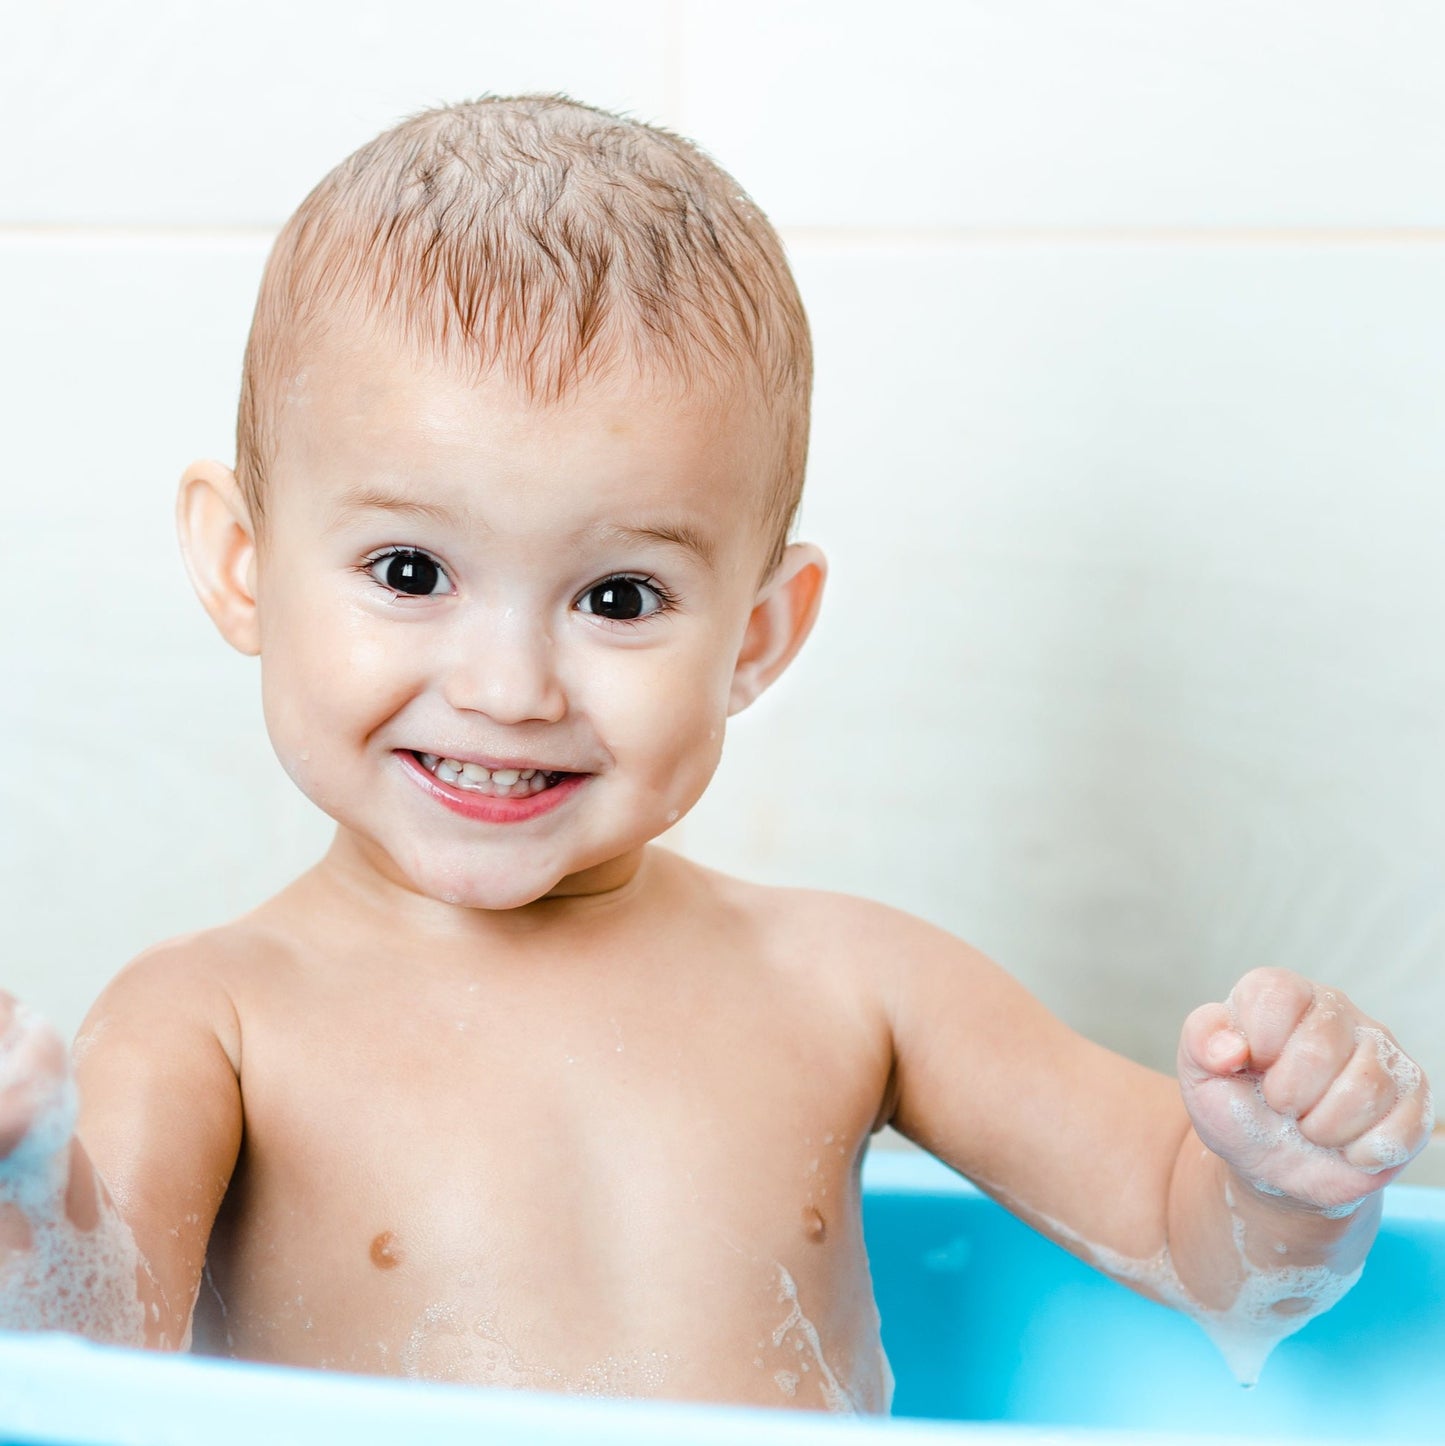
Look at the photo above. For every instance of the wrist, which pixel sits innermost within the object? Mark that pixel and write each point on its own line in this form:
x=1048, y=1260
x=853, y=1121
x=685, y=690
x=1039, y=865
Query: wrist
x=1270, y=1223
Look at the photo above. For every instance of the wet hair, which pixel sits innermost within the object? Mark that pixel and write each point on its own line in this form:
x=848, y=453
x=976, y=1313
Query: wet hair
x=550, y=241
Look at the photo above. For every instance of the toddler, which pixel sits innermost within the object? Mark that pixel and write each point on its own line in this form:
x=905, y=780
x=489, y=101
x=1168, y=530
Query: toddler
x=500, y=1091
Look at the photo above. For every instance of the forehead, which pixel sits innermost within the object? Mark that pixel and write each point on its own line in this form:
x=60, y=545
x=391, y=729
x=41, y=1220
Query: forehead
x=358, y=413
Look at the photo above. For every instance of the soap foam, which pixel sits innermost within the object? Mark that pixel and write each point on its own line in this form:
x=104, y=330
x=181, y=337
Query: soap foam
x=445, y=1345
x=804, y=1336
x=1270, y=1305
x=1403, y=1071
x=67, y=1279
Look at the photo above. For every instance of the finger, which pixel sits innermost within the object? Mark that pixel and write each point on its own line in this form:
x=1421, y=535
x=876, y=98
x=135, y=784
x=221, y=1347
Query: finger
x=1266, y=1005
x=1210, y=1045
x=1396, y=1140
x=1318, y=1050
x=1374, y=1079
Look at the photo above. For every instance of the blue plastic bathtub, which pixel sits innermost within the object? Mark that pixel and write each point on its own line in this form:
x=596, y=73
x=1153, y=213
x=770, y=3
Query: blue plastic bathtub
x=992, y=1331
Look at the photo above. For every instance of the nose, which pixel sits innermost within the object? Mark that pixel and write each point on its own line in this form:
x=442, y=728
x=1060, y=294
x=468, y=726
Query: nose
x=506, y=668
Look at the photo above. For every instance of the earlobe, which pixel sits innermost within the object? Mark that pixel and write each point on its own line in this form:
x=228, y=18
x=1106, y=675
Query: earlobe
x=780, y=623
x=219, y=548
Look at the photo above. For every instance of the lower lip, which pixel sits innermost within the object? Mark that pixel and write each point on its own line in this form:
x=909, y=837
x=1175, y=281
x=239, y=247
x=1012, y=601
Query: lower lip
x=485, y=808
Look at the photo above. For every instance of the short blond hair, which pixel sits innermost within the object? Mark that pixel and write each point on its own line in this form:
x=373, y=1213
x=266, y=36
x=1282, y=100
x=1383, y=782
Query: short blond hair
x=549, y=240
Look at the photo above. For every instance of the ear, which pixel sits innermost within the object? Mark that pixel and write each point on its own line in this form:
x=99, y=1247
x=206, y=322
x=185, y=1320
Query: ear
x=218, y=543
x=782, y=618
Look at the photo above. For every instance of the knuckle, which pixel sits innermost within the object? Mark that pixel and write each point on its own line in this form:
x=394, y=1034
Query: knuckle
x=1309, y=1065
x=1270, y=978
x=1281, y=1092
x=1272, y=996
x=1332, y=1000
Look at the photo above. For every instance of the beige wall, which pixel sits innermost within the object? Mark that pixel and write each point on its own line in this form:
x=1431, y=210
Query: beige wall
x=1128, y=453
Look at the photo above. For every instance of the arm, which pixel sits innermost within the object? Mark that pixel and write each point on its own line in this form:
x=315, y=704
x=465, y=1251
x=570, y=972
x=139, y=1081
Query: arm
x=111, y=1174
x=1103, y=1156
x=1308, y=1108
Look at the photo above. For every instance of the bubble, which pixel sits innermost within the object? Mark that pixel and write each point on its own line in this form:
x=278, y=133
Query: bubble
x=804, y=1335
x=1270, y=1305
x=1403, y=1071
x=84, y=1281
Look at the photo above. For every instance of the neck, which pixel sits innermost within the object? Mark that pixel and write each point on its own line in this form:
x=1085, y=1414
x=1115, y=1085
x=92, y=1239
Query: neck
x=350, y=880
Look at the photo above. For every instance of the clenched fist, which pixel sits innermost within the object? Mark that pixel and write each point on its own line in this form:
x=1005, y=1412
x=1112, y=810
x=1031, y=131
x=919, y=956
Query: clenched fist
x=1302, y=1093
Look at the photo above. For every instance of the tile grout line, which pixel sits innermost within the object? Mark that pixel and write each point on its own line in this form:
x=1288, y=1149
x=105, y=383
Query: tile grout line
x=865, y=236
x=839, y=238
x=1117, y=235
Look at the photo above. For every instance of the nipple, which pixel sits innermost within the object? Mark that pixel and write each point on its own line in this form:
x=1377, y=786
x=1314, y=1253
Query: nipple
x=384, y=1252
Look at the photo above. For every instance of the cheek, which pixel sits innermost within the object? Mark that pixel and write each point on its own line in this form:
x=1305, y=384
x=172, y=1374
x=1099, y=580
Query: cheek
x=324, y=687
x=666, y=718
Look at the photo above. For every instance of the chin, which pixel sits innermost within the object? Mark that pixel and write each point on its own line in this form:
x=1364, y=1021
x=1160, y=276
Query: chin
x=495, y=895
x=466, y=882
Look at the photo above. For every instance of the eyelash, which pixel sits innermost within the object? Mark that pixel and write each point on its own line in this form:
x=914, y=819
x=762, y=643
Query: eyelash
x=366, y=567
x=666, y=601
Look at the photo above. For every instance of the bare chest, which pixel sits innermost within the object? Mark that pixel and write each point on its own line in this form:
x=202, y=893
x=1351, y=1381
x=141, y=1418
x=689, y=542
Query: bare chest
x=649, y=1197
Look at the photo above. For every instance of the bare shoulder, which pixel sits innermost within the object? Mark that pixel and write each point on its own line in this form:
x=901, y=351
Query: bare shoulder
x=186, y=984
x=858, y=936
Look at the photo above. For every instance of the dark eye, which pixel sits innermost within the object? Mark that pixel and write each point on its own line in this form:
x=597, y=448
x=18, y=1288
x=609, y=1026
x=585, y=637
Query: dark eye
x=622, y=599
x=410, y=572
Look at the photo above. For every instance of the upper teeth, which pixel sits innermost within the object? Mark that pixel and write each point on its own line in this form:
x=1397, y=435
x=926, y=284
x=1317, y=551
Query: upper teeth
x=487, y=780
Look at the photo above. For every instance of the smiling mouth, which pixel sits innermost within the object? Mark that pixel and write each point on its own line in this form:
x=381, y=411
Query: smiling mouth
x=490, y=782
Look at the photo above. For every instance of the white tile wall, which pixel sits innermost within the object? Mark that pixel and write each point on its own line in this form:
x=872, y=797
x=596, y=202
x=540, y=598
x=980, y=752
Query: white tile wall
x=1022, y=113
x=1130, y=630
x=1128, y=454
x=138, y=791
x=153, y=112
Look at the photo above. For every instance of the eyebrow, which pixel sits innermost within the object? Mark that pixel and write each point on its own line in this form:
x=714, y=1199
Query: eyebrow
x=671, y=534
x=372, y=499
